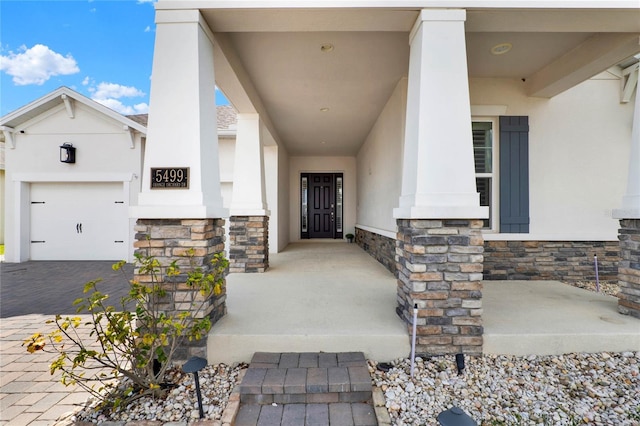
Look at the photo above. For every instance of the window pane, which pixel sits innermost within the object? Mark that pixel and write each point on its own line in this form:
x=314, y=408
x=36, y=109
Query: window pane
x=482, y=154
x=338, y=204
x=305, y=210
x=484, y=189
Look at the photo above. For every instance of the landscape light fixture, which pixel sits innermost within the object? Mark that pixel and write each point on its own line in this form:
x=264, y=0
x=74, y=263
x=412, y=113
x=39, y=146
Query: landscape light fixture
x=455, y=416
x=67, y=153
x=460, y=363
x=194, y=365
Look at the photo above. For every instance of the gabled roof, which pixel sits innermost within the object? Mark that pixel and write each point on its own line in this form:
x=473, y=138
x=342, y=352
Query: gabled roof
x=22, y=115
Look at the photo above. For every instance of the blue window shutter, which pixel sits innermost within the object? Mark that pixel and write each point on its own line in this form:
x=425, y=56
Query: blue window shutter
x=514, y=174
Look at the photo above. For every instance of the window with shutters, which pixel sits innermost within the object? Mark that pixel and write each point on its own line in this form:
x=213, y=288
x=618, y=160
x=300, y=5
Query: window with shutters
x=502, y=171
x=483, y=149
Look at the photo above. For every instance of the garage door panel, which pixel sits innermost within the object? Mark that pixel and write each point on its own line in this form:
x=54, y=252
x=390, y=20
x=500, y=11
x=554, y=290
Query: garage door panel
x=78, y=221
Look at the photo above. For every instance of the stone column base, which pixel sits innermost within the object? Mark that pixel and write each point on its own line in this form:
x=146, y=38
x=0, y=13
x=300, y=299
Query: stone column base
x=629, y=267
x=169, y=240
x=439, y=267
x=248, y=243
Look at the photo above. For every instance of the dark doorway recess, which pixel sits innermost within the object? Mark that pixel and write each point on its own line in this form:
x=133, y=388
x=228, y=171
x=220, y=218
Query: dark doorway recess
x=321, y=207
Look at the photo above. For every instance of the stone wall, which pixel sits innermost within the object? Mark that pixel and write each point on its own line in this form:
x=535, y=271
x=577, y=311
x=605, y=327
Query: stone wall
x=189, y=242
x=248, y=243
x=629, y=273
x=382, y=248
x=550, y=260
x=568, y=261
x=439, y=265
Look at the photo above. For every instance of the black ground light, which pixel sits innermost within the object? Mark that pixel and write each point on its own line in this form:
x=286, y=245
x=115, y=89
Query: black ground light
x=194, y=365
x=460, y=363
x=455, y=416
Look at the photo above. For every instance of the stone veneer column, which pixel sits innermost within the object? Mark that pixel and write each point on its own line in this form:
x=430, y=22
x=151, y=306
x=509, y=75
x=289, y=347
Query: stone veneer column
x=171, y=239
x=249, y=243
x=629, y=267
x=439, y=265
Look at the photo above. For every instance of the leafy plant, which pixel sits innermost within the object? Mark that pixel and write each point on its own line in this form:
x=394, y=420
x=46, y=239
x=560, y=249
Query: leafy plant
x=635, y=415
x=127, y=353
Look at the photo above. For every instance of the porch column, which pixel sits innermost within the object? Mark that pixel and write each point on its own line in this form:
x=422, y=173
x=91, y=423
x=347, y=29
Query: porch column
x=629, y=233
x=439, y=244
x=180, y=204
x=249, y=220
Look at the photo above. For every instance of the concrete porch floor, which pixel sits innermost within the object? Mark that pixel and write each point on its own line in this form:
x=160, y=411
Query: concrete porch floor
x=334, y=297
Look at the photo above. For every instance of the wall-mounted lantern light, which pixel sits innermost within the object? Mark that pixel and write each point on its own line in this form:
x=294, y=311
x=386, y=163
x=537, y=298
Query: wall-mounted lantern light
x=67, y=153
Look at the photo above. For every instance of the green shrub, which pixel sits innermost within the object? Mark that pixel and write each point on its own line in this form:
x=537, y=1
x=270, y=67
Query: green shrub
x=128, y=352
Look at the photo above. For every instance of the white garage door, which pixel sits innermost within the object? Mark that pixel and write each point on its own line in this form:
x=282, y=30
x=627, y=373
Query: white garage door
x=78, y=221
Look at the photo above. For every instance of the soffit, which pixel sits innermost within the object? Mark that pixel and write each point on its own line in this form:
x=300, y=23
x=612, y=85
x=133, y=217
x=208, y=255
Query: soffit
x=278, y=52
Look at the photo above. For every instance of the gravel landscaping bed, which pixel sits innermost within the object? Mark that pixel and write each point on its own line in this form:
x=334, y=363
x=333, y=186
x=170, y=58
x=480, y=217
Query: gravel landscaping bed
x=606, y=287
x=600, y=389
x=573, y=389
x=181, y=404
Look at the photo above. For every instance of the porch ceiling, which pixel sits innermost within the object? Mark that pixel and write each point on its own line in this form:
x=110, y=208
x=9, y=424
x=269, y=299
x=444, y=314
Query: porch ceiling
x=270, y=61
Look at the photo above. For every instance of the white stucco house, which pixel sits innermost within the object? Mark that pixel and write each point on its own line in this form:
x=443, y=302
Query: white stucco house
x=443, y=133
x=79, y=210
x=455, y=138
x=76, y=210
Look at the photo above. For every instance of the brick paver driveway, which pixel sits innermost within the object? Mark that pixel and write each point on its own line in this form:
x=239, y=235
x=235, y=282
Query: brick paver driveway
x=51, y=287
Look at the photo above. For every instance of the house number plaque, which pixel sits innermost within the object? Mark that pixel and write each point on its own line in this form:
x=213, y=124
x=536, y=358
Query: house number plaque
x=170, y=178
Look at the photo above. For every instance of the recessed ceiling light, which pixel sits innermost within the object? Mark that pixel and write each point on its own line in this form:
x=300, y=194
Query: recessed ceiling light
x=324, y=109
x=501, y=49
x=327, y=47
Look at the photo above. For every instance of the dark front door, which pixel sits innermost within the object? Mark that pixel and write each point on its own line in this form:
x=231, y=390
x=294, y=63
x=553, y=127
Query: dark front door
x=321, y=205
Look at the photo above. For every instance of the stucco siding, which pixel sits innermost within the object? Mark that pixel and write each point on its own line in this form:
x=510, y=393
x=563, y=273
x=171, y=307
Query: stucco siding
x=104, y=153
x=379, y=165
x=579, y=145
x=284, y=195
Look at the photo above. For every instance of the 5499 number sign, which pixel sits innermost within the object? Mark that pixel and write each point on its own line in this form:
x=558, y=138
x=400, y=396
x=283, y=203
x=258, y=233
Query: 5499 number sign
x=170, y=178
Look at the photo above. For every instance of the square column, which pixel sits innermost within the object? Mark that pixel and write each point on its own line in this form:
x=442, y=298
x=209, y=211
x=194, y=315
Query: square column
x=439, y=266
x=439, y=244
x=249, y=221
x=180, y=202
x=182, y=131
x=629, y=233
x=248, y=243
x=629, y=268
x=169, y=240
x=438, y=179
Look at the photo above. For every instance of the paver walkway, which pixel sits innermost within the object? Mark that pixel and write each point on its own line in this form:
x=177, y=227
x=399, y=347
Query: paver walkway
x=29, y=394
x=300, y=389
x=30, y=294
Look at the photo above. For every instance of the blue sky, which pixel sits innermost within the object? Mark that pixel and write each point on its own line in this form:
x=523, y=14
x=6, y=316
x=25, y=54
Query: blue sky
x=100, y=48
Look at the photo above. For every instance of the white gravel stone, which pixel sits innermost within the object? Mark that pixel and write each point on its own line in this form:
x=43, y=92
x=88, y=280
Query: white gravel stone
x=180, y=403
x=601, y=389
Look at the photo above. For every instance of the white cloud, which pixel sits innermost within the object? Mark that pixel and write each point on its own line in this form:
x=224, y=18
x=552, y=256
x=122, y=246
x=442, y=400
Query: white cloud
x=148, y=29
x=109, y=94
x=86, y=81
x=37, y=65
x=146, y=1
x=123, y=109
x=113, y=90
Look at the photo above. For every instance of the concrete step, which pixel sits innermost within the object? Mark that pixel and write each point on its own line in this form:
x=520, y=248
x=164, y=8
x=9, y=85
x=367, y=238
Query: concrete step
x=306, y=378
